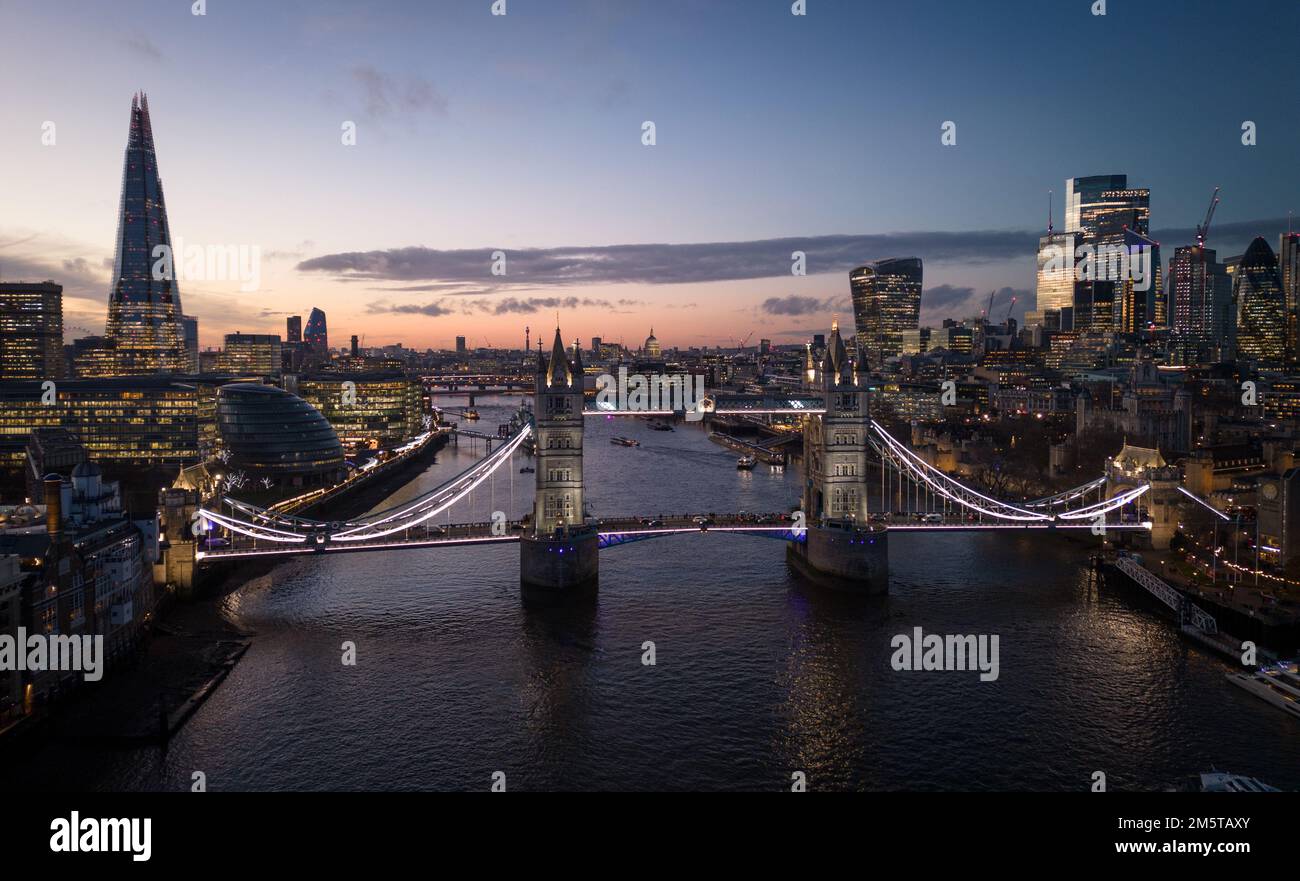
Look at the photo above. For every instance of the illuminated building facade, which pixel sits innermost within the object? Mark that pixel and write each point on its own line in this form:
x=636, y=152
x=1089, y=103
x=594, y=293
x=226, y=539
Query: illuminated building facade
x=144, y=311
x=1261, y=306
x=93, y=357
x=127, y=421
x=1201, y=297
x=1288, y=257
x=1056, y=281
x=886, y=302
x=317, y=334
x=250, y=354
x=367, y=409
x=1282, y=401
x=31, y=330
x=953, y=338
x=1139, y=297
x=1109, y=217
x=1102, y=206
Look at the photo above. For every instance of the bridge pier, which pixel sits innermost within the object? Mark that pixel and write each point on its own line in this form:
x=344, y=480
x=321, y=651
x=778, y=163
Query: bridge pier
x=554, y=568
x=847, y=558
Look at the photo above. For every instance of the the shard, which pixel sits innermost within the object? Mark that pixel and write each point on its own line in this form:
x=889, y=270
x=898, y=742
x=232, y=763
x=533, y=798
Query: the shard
x=144, y=307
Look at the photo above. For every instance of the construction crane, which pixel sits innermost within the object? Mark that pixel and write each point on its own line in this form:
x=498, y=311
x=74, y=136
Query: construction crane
x=987, y=314
x=1203, y=230
x=1009, y=308
x=743, y=342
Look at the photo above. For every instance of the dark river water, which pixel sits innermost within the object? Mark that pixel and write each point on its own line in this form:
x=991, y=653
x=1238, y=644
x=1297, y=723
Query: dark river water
x=757, y=675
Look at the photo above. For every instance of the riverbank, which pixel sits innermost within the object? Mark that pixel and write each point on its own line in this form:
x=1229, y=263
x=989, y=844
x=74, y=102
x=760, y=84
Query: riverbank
x=191, y=648
x=1242, y=608
x=189, y=651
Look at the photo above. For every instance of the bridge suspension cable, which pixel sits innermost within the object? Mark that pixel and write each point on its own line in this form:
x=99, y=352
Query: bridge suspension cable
x=946, y=486
x=387, y=522
x=918, y=470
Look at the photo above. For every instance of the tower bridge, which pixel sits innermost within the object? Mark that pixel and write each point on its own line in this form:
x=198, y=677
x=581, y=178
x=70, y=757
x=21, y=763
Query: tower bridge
x=834, y=537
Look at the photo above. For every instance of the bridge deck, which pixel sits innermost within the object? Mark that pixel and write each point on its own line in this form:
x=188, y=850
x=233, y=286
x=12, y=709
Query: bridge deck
x=616, y=530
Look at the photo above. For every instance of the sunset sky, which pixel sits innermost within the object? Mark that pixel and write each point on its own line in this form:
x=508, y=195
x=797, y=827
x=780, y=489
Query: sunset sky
x=523, y=133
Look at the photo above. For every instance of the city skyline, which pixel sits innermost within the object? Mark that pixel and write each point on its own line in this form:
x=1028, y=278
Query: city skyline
x=649, y=395
x=399, y=248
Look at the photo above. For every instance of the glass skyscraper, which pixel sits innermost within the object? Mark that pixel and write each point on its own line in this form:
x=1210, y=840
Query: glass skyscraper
x=886, y=302
x=317, y=335
x=1140, y=298
x=1056, y=281
x=1201, y=293
x=1102, y=207
x=1261, y=306
x=144, y=312
x=1288, y=257
x=1108, y=215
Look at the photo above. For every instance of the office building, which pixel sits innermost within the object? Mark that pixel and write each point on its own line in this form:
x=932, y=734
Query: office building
x=1101, y=207
x=276, y=436
x=92, y=357
x=1288, y=257
x=31, y=330
x=293, y=329
x=1260, y=306
x=250, y=354
x=916, y=342
x=1112, y=221
x=886, y=299
x=1203, y=319
x=460, y=345
x=122, y=421
x=317, y=334
x=190, y=333
x=367, y=410
x=1056, y=278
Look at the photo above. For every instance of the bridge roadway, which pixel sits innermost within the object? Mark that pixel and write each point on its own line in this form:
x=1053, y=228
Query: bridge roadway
x=614, y=531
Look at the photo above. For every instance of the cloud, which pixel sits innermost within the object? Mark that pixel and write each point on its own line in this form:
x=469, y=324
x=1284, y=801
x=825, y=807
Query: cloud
x=712, y=261
x=669, y=263
x=793, y=305
x=431, y=309
x=503, y=306
x=955, y=301
x=143, y=46
x=1228, y=239
x=383, y=95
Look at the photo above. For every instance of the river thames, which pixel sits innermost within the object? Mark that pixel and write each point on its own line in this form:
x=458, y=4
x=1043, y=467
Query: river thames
x=757, y=675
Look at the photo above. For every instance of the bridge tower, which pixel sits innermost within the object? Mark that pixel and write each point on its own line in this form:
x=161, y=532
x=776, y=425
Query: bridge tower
x=841, y=549
x=559, y=554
